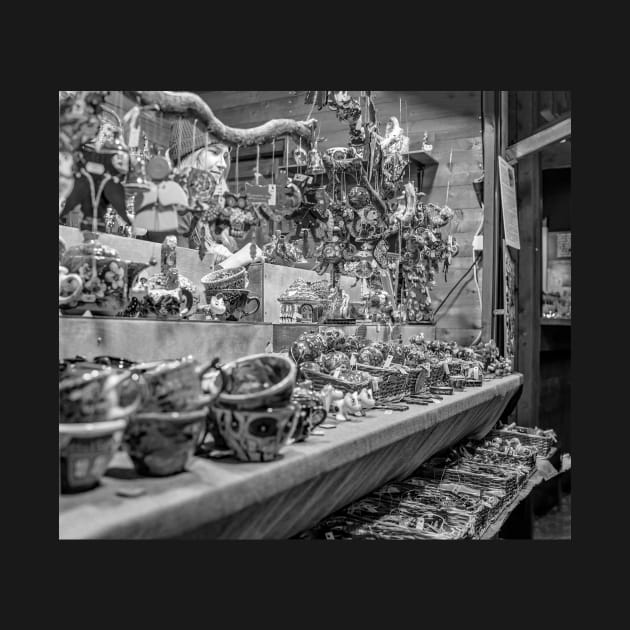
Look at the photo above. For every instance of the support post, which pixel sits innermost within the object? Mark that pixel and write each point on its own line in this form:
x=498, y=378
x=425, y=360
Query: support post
x=490, y=224
x=529, y=194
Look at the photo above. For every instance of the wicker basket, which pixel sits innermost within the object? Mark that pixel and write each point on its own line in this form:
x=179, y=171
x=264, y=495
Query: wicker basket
x=417, y=380
x=438, y=375
x=527, y=437
x=225, y=279
x=391, y=386
x=320, y=380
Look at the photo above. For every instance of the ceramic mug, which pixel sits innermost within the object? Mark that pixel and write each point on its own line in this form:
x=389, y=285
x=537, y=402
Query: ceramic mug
x=173, y=385
x=98, y=396
x=256, y=435
x=161, y=444
x=65, y=279
x=85, y=451
x=238, y=302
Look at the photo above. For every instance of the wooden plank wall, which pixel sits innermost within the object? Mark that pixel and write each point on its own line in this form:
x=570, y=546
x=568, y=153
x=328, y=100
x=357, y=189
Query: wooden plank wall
x=452, y=121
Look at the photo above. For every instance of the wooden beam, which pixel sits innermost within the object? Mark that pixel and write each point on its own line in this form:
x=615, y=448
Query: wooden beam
x=529, y=196
x=489, y=216
x=543, y=138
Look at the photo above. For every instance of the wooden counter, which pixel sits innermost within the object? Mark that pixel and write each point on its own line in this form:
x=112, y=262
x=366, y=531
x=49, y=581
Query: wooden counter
x=235, y=500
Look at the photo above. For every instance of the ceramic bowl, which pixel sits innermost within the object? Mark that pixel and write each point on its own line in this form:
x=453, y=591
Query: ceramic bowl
x=161, y=444
x=255, y=435
x=85, y=451
x=257, y=381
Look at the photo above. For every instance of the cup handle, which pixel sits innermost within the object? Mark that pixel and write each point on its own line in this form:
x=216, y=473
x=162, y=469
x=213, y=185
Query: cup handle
x=120, y=412
x=187, y=311
x=252, y=299
x=74, y=278
x=294, y=423
x=318, y=416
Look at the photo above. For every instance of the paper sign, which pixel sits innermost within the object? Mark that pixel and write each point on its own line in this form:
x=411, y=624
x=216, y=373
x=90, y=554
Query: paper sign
x=257, y=194
x=388, y=361
x=221, y=188
x=508, y=204
x=272, y=194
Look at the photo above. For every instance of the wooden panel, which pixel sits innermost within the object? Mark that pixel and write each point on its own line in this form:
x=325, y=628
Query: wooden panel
x=153, y=340
x=226, y=499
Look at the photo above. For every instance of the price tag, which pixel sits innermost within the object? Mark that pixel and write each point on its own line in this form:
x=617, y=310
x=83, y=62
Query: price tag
x=221, y=187
x=353, y=359
x=337, y=372
x=476, y=372
x=388, y=361
x=446, y=370
x=272, y=194
x=329, y=536
x=375, y=385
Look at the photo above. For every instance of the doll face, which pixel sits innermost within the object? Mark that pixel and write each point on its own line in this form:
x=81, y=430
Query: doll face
x=241, y=203
x=215, y=159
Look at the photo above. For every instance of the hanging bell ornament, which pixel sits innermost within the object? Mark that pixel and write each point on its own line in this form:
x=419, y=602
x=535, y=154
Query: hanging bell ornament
x=300, y=157
x=315, y=163
x=137, y=177
x=365, y=268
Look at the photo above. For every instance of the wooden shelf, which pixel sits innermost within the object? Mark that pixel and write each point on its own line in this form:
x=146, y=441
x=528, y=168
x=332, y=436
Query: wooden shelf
x=159, y=340
x=235, y=500
x=544, y=321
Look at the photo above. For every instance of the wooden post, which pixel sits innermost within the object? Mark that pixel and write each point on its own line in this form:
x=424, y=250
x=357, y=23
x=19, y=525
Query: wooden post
x=529, y=194
x=490, y=224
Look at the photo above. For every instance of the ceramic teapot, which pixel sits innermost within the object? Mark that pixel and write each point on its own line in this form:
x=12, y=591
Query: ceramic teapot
x=107, y=278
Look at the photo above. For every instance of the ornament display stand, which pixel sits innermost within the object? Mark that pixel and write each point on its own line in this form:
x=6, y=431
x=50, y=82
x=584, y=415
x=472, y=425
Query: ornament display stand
x=226, y=499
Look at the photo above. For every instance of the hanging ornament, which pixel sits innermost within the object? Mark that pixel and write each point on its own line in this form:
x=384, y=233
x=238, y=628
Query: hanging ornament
x=100, y=183
x=158, y=207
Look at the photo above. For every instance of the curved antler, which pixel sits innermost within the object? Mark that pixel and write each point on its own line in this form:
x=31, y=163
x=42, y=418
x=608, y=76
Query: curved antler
x=190, y=105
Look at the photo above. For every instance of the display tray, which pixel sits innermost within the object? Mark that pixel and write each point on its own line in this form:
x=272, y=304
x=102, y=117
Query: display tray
x=156, y=340
x=234, y=500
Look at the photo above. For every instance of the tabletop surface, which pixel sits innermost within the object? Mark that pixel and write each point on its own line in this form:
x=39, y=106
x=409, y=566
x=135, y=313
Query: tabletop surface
x=215, y=489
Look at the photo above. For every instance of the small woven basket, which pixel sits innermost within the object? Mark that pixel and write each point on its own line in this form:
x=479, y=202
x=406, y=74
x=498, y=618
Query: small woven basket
x=391, y=385
x=527, y=437
x=417, y=380
x=320, y=380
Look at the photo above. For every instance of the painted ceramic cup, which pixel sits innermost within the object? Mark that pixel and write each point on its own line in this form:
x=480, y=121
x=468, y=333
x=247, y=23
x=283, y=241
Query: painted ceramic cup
x=255, y=435
x=174, y=385
x=85, y=451
x=68, y=282
x=99, y=395
x=238, y=302
x=257, y=381
x=161, y=444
